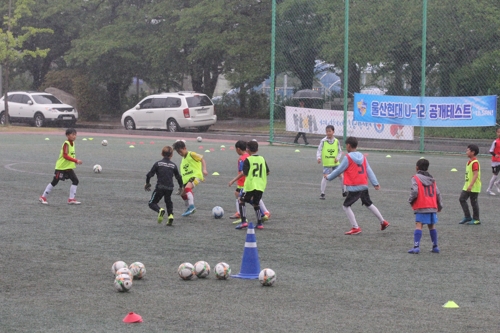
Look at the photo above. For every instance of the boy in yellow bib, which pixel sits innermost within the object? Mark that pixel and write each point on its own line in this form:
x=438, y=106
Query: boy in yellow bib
x=329, y=152
x=65, y=165
x=193, y=167
x=472, y=187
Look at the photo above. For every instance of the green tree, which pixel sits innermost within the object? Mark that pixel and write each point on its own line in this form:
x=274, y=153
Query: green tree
x=12, y=42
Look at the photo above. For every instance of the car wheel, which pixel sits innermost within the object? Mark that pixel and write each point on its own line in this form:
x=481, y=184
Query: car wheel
x=172, y=126
x=203, y=128
x=39, y=120
x=3, y=118
x=129, y=124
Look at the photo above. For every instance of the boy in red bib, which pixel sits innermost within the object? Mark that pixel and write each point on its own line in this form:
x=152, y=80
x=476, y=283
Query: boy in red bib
x=495, y=164
x=357, y=171
x=425, y=199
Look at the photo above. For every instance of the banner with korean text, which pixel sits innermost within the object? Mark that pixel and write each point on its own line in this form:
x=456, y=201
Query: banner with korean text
x=314, y=121
x=426, y=111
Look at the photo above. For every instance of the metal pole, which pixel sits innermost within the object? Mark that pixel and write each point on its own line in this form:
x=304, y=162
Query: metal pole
x=272, y=83
x=424, y=62
x=346, y=64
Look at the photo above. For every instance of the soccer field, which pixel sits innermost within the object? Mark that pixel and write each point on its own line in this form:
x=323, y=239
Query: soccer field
x=57, y=258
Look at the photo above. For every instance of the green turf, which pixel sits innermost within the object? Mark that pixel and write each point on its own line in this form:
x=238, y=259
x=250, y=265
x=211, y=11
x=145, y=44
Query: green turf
x=57, y=259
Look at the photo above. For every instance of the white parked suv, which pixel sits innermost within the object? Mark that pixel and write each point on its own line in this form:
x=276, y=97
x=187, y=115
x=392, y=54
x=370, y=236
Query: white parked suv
x=37, y=108
x=171, y=111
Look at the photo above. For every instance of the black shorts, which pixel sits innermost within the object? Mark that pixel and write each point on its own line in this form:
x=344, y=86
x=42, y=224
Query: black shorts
x=64, y=174
x=352, y=197
x=495, y=170
x=252, y=196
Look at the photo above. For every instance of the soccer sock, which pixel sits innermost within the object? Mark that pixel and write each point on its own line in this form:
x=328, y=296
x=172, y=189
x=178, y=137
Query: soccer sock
x=492, y=181
x=417, y=235
x=238, y=206
x=243, y=212
x=47, y=190
x=323, y=185
x=72, y=191
x=258, y=214
x=434, y=237
x=375, y=212
x=263, y=208
x=190, y=197
x=350, y=215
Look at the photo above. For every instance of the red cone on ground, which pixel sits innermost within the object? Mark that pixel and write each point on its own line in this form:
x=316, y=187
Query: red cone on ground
x=132, y=318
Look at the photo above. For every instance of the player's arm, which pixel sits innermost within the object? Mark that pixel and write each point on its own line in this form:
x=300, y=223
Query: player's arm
x=319, y=151
x=246, y=167
x=492, y=149
x=413, y=191
x=150, y=174
x=439, y=199
x=178, y=176
x=204, y=166
x=235, y=179
x=267, y=168
x=372, y=177
x=338, y=170
x=66, y=155
x=339, y=149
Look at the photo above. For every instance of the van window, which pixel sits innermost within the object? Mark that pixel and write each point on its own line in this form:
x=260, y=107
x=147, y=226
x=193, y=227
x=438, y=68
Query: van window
x=198, y=100
x=159, y=103
x=147, y=104
x=173, y=102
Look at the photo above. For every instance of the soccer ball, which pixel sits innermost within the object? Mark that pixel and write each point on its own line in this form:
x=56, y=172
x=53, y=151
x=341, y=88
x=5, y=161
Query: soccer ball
x=217, y=212
x=267, y=277
x=123, y=282
x=97, y=168
x=138, y=270
x=201, y=269
x=117, y=265
x=124, y=270
x=199, y=139
x=104, y=142
x=222, y=271
x=186, y=271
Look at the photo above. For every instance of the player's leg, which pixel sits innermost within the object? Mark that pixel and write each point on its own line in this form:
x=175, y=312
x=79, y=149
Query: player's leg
x=464, y=195
x=264, y=211
x=153, y=204
x=169, y=205
x=351, y=198
x=74, y=184
x=256, y=198
x=475, y=208
x=237, y=195
x=49, y=187
x=242, y=210
x=188, y=188
x=417, y=234
x=366, y=201
x=493, y=179
x=433, y=233
x=326, y=171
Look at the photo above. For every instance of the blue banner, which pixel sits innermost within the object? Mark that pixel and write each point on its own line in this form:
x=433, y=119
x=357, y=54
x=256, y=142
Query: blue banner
x=426, y=111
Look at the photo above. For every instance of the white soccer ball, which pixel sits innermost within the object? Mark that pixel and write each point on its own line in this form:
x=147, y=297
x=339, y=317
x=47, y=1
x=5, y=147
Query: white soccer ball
x=186, y=271
x=124, y=270
x=267, y=277
x=104, y=142
x=201, y=269
x=199, y=139
x=138, y=270
x=222, y=271
x=117, y=265
x=123, y=282
x=97, y=168
x=217, y=212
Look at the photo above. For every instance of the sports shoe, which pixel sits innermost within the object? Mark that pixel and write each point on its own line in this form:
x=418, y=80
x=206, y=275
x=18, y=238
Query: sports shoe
x=353, y=231
x=190, y=210
x=241, y=226
x=474, y=222
x=266, y=216
x=238, y=221
x=415, y=250
x=235, y=216
x=384, y=225
x=498, y=187
x=170, y=219
x=465, y=220
x=160, y=215
x=490, y=192
x=322, y=196
x=260, y=226
x=73, y=202
x=43, y=200
x=435, y=249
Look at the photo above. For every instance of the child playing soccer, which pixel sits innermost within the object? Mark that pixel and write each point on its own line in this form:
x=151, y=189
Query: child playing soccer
x=241, y=147
x=255, y=170
x=329, y=152
x=193, y=168
x=65, y=165
x=165, y=170
x=472, y=187
x=357, y=171
x=425, y=200
x=495, y=164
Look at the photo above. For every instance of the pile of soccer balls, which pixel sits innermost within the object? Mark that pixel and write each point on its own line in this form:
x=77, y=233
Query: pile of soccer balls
x=124, y=275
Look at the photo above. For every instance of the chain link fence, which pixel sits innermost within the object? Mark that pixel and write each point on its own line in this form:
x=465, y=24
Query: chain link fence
x=325, y=51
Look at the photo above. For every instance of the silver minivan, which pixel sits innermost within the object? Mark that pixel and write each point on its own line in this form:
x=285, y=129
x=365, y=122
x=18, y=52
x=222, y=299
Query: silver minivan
x=171, y=111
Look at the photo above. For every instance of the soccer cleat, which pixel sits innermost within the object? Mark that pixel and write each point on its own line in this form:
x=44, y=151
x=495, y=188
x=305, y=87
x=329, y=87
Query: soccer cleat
x=170, y=219
x=190, y=210
x=266, y=216
x=353, y=231
x=43, y=200
x=73, y=202
x=474, y=222
x=384, y=225
x=322, y=196
x=260, y=226
x=238, y=221
x=235, y=216
x=160, y=215
x=242, y=225
x=465, y=220
x=490, y=192
x=435, y=249
x=415, y=250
